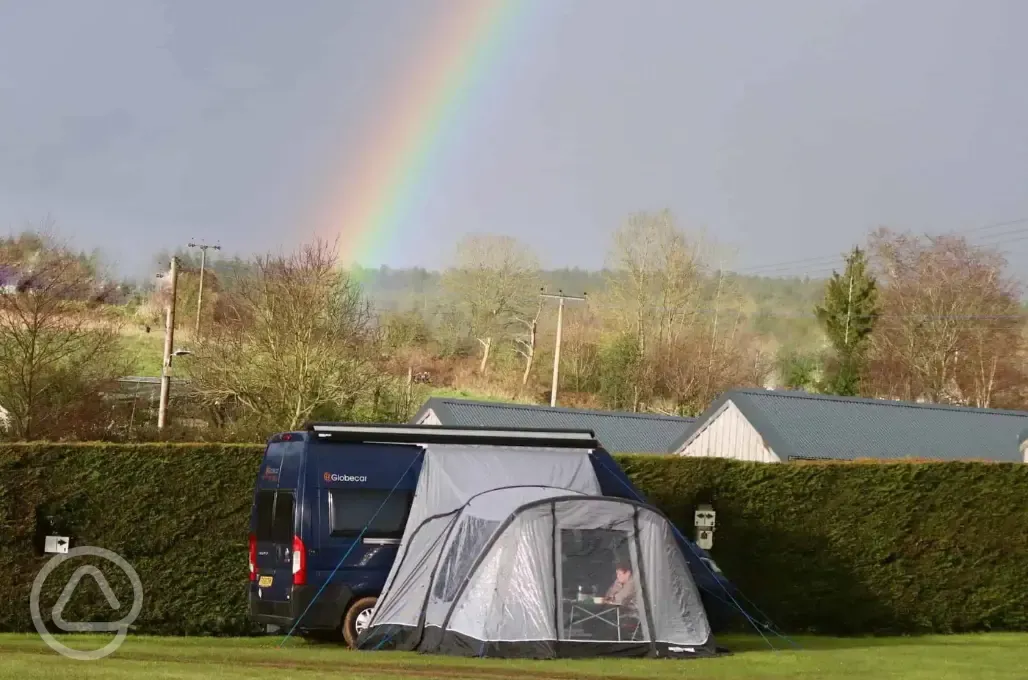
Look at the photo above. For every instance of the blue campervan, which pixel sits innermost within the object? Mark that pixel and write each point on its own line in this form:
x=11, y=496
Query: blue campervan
x=331, y=504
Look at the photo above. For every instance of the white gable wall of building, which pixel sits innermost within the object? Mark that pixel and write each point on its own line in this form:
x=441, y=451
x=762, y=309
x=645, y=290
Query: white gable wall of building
x=430, y=418
x=728, y=434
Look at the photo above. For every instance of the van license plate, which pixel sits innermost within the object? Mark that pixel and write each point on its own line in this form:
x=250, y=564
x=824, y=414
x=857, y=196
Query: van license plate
x=265, y=581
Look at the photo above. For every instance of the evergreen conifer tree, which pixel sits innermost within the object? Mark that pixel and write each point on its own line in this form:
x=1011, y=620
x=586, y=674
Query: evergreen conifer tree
x=848, y=314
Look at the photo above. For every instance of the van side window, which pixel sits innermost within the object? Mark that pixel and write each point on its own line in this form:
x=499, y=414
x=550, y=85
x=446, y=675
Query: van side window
x=349, y=510
x=275, y=516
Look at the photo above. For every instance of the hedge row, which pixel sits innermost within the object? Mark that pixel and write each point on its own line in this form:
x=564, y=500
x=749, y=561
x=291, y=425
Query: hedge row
x=862, y=548
x=833, y=548
x=177, y=513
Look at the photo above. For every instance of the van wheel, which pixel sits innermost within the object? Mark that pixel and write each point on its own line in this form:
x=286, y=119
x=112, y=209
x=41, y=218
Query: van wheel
x=357, y=619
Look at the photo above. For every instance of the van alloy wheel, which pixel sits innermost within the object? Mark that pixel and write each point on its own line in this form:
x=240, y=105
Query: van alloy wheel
x=358, y=618
x=363, y=620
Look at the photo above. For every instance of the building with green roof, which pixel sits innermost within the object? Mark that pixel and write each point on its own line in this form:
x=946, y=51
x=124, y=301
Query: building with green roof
x=775, y=426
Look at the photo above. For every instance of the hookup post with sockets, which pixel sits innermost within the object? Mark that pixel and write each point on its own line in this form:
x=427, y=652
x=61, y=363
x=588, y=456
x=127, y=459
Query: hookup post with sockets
x=704, y=518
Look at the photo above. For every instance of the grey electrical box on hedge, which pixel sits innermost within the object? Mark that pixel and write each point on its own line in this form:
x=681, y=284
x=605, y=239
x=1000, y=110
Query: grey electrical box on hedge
x=56, y=544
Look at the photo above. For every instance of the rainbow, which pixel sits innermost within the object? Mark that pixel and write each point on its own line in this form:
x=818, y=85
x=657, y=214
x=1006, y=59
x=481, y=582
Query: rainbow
x=421, y=114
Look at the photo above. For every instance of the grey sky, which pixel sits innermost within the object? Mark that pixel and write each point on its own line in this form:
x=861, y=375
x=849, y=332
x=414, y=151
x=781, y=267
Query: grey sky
x=787, y=129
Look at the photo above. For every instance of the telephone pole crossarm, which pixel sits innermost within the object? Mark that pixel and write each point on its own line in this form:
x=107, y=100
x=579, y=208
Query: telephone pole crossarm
x=560, y=296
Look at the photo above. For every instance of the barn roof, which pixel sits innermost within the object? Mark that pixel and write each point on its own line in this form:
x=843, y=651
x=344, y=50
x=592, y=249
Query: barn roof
x=620, y=432
x=799, y=425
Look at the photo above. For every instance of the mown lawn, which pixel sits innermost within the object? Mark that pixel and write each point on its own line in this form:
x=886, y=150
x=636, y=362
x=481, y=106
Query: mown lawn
x=924, y=658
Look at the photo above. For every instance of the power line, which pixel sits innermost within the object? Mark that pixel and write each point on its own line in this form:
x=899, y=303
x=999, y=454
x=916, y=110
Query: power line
x=765, y=313
x=1018, y=237
x=994, y=225
x=822, y=271
x=1001, y=235
x=779, y=265
x=777, y=268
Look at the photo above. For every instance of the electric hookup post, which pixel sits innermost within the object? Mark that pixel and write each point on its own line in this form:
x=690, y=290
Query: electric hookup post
x=704, y=519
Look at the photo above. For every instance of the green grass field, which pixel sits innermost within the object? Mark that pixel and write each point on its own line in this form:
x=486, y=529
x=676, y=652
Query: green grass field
x=476, y=395
x=144, y=352
x=925, y=658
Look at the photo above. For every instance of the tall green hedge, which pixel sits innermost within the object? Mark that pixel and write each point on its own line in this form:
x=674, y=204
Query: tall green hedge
x=833, y=548
x=177, y=513
x=861, y=547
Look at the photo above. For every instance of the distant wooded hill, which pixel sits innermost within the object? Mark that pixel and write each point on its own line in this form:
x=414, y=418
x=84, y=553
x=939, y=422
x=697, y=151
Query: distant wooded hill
x=779, y=309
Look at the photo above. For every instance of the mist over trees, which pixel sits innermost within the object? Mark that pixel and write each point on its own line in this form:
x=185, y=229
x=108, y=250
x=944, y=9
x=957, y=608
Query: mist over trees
x=666, y=327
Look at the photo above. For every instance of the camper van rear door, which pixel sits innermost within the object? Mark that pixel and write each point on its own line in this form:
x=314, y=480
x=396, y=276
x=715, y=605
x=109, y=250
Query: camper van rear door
x=274, y=542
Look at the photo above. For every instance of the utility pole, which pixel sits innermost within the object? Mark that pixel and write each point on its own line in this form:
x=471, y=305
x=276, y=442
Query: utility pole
x=199, y=293
x=169, y=343
x=849, y=311
x=560, y=329
x=713, y=330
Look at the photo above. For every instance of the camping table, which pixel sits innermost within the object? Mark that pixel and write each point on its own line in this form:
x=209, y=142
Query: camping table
x=609, y=614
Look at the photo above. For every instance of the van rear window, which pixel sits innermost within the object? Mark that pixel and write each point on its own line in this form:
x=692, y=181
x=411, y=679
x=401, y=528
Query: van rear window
x=281, y=465
x=265, y=514
x=282, y=529
x=351, y=509
x=275, y=517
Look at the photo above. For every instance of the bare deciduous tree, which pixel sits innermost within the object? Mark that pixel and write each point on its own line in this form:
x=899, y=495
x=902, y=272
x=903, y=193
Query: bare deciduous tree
x=951, y=323
x=526, y=343
x=657, y=277
x=494, y=279
x=298, y=341
x=59, y=344
x=580, y=354
x=700, y=367
x=683, y=312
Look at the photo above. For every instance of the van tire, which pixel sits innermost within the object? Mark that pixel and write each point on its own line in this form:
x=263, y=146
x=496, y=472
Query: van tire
x=358, y=615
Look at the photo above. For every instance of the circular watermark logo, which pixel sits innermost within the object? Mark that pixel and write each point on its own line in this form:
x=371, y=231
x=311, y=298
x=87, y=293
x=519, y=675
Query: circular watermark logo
x=121, y=627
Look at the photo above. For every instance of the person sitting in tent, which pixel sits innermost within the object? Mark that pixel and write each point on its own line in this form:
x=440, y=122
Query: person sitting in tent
x=622, y=591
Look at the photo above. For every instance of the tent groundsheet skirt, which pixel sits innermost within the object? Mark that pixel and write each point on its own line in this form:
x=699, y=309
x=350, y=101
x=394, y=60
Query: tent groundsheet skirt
x=435, y=640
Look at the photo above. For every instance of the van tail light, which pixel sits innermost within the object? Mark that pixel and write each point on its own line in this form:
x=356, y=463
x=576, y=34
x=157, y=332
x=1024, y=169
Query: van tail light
x=299, y=562
x=253, y=557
